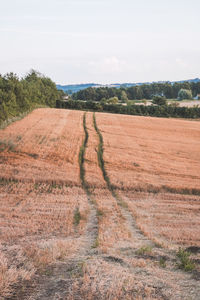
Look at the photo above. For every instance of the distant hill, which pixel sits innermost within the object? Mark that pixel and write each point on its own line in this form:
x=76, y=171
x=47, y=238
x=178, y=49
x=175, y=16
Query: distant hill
x=189, y=80
x=73, y=88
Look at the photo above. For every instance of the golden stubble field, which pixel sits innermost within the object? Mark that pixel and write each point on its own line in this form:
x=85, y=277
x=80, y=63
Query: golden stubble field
x=99, y=206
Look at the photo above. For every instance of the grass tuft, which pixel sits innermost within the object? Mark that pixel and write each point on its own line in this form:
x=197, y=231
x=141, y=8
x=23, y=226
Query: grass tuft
x=77, y=217
x=184, y=261
x=82, y=155
x=144, y=250
x=162, y=262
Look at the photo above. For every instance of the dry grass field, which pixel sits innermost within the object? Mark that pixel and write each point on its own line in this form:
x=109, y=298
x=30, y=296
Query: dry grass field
x=99, y=206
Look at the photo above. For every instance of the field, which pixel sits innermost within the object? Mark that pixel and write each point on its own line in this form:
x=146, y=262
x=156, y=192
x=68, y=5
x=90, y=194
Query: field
x=182, y=103
x=99, y=206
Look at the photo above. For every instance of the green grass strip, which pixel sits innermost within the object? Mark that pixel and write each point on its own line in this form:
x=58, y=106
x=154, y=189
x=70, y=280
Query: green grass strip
x=82, y=156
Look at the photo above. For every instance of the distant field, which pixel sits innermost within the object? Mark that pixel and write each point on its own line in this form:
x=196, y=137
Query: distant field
x=96, y=206
x=183, y=103
x=189, y=103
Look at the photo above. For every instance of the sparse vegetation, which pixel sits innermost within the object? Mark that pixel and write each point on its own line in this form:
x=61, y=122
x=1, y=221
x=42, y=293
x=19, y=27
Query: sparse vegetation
x=144, y=250
x=100, y=213
x=184, y=261
x=77, y=216
x=7, y=145
x=162, y=262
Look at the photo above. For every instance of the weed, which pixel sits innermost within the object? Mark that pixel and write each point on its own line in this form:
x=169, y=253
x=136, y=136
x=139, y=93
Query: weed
x=96, y=243
x=33, y=155
x=54, y=185
x=184, y=261
x=36, y=186
x=136, y=164
x=162, y=262
x=49, y=190
x=42, y=140
x=7, y=145
x=100, y=213
x=78, y=270
x=19, y=137
x=144, y=250
x=77, y=217
x=122, y=203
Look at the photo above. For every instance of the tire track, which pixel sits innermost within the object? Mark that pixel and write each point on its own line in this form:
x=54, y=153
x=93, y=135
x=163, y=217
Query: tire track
x=139, y=238
x=92, y=224
x=55, y=285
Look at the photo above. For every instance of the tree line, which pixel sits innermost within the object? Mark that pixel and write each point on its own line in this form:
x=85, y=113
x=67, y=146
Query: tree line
x=165, y=111
x=144, y=91
x=20, y=95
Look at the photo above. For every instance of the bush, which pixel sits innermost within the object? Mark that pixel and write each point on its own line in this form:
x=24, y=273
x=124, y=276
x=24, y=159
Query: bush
x=113, y=100
x=159, y=100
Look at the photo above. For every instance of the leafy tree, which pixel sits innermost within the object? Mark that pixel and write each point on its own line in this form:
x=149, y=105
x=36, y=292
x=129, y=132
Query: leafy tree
x=124, y=97
x=184, y=94
x=113, y=100
x=17, y=96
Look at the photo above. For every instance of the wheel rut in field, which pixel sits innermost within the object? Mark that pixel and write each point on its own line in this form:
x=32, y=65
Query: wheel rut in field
x=184, y=283
x=92, y=224
x=59, y=277
x=140, y=239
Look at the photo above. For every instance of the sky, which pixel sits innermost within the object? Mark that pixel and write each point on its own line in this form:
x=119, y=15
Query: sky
x=101, y=41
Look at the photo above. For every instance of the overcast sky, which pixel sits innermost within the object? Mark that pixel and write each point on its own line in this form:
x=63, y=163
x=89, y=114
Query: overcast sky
x=102, y=41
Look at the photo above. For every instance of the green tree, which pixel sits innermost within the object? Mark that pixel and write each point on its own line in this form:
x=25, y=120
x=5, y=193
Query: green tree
x=18, y=96
x=113, y=100
x=124, y=97
x=184, y=94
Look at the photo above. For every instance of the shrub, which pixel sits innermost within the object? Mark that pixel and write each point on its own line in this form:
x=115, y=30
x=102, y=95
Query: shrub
x=159, y=100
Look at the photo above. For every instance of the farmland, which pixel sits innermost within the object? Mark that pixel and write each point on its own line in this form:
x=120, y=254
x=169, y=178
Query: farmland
x=99, y=206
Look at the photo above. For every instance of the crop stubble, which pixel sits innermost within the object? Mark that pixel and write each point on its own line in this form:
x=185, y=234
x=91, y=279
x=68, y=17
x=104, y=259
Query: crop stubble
x=148, y=161
x=155, y=167
x=40, y=192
